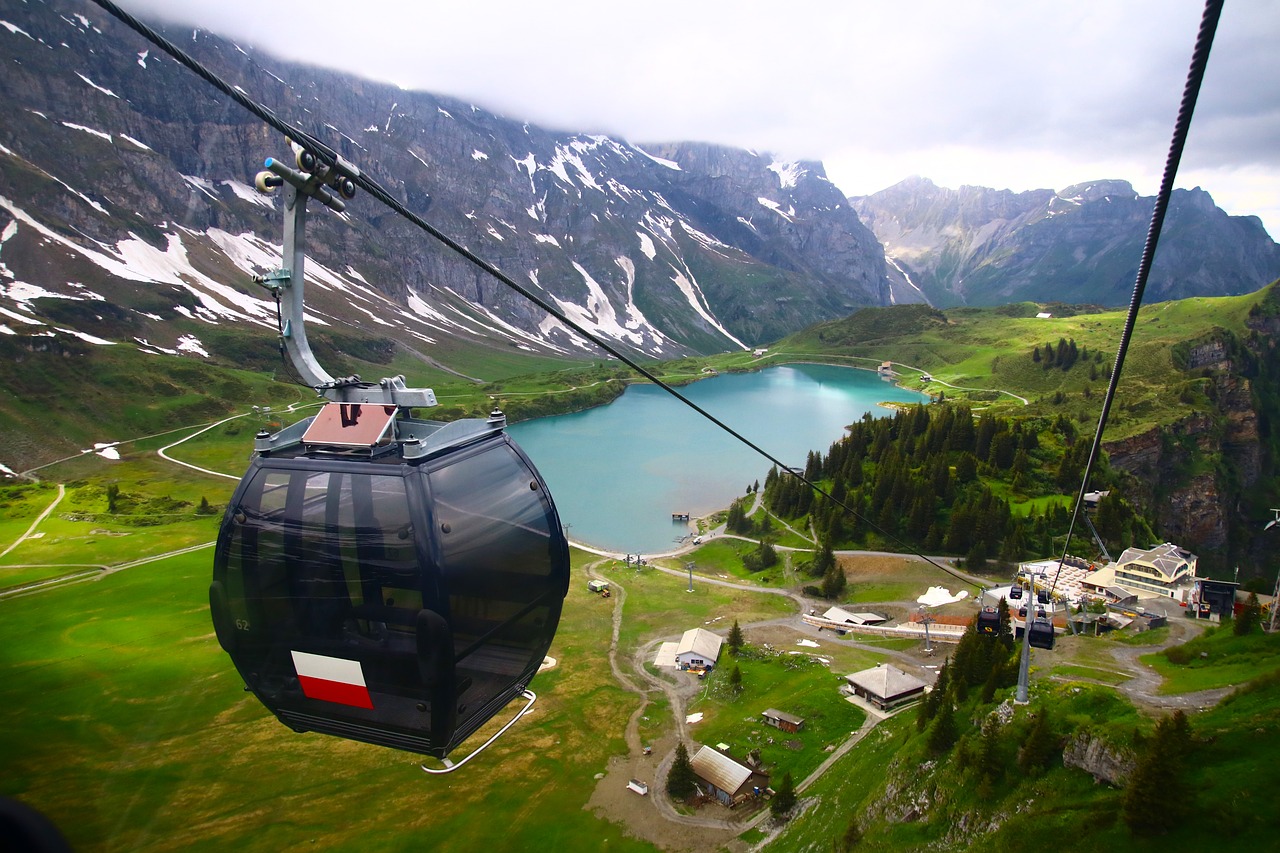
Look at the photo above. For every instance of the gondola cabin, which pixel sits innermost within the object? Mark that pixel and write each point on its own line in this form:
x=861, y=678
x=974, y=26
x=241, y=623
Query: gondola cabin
x=988, y=621
x=1042, y=596
x=1040, y=634
x=389, y=580
x=1015, y=594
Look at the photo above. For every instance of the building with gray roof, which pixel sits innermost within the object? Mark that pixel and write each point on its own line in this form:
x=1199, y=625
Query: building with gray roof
x=885, y=686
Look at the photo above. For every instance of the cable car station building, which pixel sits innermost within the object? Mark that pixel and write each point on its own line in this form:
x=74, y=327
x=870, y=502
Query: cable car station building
x=1166, y=571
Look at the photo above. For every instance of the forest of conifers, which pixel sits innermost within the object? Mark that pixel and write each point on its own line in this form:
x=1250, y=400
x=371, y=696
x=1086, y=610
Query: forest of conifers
x=935, y=479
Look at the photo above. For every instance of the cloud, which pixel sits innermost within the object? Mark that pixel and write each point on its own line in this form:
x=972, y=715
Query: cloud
x=1001, y=93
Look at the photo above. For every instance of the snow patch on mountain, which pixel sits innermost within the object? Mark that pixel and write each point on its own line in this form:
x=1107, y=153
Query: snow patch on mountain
x=788, y=174
x=693, y=295
x=646, y=245
x=21, y=318
x=101, y=89
x=707, y=241
x=203, y=185
x=250, y=194
x=15, y=29
x=191, y=344
x=670, y=164
x=788, y=215
x=86, y=337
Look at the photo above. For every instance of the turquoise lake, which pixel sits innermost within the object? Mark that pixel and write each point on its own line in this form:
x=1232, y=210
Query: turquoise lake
x=618, y=472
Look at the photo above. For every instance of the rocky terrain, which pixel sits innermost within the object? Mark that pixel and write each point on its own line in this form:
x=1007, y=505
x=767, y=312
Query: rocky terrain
x=980, y=246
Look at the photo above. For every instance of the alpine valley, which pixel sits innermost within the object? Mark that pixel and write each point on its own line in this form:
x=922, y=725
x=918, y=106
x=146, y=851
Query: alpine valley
x=139, y=358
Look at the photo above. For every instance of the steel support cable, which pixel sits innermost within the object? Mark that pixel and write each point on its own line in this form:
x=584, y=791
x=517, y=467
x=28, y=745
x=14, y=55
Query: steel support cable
x=1182, y=125
x=331, y=158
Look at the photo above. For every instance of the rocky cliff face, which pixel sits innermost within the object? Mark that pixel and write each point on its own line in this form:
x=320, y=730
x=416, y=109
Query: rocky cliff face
x=979, y=246
x=127, y=174
x=1100, y=759
x=1201, y=478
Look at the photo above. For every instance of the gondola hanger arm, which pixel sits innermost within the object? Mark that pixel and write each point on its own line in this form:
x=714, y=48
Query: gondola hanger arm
x=330, y=186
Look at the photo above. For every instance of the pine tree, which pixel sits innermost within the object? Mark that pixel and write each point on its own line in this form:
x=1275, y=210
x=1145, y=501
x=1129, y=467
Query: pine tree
x=944, y=731
x=934, y=698
x=834, y=582
x=784, y=800
x=1038, y=749
x=823, y=560
x=1158, y=796
x=681, y=780
x=735, y=638
x=1005, y=632
x=1249, y=618
x=990, y=686
x=735, y=680
x=851, y=837
x=989, y=766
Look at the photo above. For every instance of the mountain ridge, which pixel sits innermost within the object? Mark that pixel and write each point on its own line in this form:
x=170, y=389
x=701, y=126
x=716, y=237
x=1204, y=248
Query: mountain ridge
x=110, y=141
x=980, y=246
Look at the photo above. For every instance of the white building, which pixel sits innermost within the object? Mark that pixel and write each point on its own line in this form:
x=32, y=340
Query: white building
x=698, y=648
x=1165, y=570
x=836, y=614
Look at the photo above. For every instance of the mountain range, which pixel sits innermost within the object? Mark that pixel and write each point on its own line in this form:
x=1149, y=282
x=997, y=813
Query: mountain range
x=127, y=215
x=979, y=246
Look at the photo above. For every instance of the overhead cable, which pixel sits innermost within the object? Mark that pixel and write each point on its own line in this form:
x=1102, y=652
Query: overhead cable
x=1181, y=127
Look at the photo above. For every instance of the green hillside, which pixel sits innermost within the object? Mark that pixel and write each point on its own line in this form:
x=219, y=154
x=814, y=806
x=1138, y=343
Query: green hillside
x=991, y=350
x=903, y=791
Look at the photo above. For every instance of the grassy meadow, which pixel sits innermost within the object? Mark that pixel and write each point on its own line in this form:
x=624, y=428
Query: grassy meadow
x=122, y=719
x=980, y=352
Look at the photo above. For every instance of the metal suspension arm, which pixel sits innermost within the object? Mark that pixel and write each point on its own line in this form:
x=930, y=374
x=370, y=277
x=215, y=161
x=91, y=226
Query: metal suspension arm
x=288, y=286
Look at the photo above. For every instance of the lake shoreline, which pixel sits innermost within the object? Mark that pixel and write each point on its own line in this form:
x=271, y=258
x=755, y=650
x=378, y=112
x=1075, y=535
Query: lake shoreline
x=620, y=472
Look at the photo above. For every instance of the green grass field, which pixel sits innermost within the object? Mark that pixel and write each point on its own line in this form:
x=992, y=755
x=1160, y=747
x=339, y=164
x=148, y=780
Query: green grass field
x=1217, y=658
x=660, y=606
x=122, y=719
x=795, y=683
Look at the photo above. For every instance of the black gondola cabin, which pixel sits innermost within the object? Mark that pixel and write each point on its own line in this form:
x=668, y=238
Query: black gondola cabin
x=398, y=592
x=1041, y=634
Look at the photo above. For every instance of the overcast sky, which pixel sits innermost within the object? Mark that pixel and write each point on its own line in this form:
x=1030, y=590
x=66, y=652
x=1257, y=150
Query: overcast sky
x=1016, y=94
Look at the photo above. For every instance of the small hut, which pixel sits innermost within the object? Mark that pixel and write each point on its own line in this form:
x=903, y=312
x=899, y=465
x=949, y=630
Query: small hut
x=885, y=686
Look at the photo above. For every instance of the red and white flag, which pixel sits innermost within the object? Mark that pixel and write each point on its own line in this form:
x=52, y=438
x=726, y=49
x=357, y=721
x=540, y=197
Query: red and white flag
x=332, y=679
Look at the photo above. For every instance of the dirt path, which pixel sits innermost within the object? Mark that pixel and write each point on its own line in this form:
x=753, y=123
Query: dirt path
x=652, y=818
x=655, y=818
x=62, y=493
x=1143, y=688
x=95, y=572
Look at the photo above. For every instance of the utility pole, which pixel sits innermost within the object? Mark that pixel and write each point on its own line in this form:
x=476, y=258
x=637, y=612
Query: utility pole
x=689, y=568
